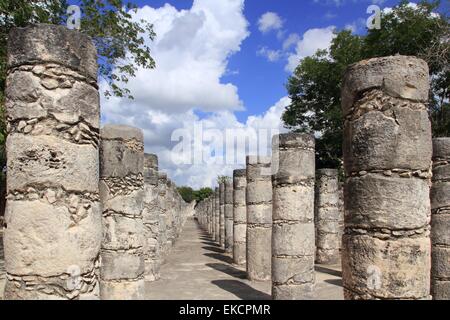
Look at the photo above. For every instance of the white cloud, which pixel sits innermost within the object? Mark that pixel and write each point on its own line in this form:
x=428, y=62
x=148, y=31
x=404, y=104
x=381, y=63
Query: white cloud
x=269, y=21
x=271, y=55
x=191, y=51
x=311, y=41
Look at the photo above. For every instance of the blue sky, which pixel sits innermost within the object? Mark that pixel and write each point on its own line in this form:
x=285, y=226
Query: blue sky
x=261, y=83
x=222, y=65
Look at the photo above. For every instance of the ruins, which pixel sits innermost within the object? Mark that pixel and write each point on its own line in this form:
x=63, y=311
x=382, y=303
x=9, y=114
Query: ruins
x=89, y=215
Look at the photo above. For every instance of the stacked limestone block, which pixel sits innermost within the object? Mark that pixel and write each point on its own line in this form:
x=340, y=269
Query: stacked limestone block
x=213, y=216
x=222, y=214
x=259, y=218
x=440, y=220
x=217, y=214
x=328, y=217
x=387, y=158
x=239, y=216
x=122, y=194
x=53, y=215
x=170, y=213
x=161, y=207
x=229, y=215
x=293, y=235
x=150, y=217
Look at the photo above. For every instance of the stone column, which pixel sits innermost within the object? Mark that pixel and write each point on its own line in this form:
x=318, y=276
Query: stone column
x=259, y=218
x=150, y=216
x=217, y=213
x=327, y=217
x=169, y=215
x=387, y=157
x=222, y=214
x=440, y=220
x=52, y=232
x=213, y=215
x=122, y=193
x=293, y=217
x=162, y=211
x=239, y=216
x=229, y=215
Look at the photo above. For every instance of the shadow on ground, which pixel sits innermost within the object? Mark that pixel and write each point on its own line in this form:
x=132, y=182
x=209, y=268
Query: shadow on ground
x=230, y=270
x=241, y=290
x=328, y=271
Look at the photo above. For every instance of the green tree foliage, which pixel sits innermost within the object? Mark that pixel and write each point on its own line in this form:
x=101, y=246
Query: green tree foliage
x=202, y=194
x=315, y=85
x=188, y=194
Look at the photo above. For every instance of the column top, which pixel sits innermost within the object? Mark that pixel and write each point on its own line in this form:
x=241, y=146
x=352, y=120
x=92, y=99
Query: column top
x=327, y=172
x=150, y=161
x=399, y=76
x=441, y=148
x=123, y=132
x=52, y=44
x=238, y=173
x=295, y=140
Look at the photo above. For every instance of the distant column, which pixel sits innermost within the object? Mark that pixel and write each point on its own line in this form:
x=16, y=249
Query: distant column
x=150, y=216
x=222, y=214
x=440, y=220
x=293, y=217
x=387, y=158
x=229, y=215
x=239, y=216
x=122, y=193
x=217, y=214
x=161, y=206
x=328, y=217
x=259, y=218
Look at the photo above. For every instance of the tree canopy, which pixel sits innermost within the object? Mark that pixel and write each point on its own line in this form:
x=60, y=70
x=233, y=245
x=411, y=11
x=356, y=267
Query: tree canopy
x=315, y=84
x=188, y=194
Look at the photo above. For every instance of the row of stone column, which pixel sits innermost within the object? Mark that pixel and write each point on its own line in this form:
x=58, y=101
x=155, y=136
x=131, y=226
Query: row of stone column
x=88, y=214
x=389, y=159
x=273, y=229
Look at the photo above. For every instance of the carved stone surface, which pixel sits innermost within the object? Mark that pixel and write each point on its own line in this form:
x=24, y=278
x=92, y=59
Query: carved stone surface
x=328, y=217
x=222, y=214
x=259, y=218
x=440, y=220
x=387, y=160
x=293, y=247
x=239, y=217
x=122, y=253
x=53, y=216
x=150, y=216
x=229, y=215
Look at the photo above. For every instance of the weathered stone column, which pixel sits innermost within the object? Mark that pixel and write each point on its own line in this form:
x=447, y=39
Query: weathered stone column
x=169, y=216
x=52, y=232
x=162, y=211
x=239, y=216
x=213, y=215
x=122, y=194
x=327, y=217
x=387, y=157
x=259, y=218
x=217, y=213
x=150, y=216
x=293, y=216
x=440, y=220
x=222, y=214
x=229, y=215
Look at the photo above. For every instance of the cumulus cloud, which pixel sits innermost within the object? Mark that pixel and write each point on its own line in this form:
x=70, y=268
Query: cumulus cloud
x=271, y=55
x=311, y=41
x=191, y=51
x=269, y=21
